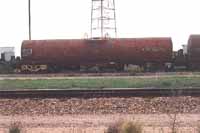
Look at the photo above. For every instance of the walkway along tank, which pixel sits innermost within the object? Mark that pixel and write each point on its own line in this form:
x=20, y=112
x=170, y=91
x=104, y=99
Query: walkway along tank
x=43, y=55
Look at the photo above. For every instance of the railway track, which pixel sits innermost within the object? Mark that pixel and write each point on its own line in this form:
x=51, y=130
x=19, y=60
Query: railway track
x=83, y=74
x=95, y=93
x=94, y=75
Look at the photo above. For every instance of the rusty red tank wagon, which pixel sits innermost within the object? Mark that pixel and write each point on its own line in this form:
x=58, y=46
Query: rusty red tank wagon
x=40, y=55
x=193, y=52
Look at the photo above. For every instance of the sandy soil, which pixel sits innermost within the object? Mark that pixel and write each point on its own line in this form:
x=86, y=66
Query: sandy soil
x=151, y=123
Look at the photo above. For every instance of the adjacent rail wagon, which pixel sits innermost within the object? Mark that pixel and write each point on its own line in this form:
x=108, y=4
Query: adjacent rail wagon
x=193, y=49
x=55, y=55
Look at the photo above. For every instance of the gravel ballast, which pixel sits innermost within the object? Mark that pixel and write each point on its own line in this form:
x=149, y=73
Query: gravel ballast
x=134, y=105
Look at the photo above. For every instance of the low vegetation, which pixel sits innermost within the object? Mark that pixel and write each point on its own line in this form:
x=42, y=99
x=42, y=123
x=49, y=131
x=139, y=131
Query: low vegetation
x=93, y=83
x=15, y=127
x=125, y=127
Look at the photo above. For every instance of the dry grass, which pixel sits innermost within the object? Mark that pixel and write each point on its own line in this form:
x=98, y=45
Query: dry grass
x=174, y=123
x=125, y=127
x=15, y=127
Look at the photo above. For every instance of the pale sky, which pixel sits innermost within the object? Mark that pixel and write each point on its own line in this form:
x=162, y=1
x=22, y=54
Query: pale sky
x=64, y=19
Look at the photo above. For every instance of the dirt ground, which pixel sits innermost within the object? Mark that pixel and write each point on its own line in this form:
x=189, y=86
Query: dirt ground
x=151, y=123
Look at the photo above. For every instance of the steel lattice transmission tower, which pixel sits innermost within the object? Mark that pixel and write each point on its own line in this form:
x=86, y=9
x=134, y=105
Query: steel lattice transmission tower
x=103, y=19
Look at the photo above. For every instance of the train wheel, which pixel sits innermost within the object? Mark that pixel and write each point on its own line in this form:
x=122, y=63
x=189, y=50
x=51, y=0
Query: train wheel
x=148, y=67
x=120, y=67
x=169, y=67
x=53, y=69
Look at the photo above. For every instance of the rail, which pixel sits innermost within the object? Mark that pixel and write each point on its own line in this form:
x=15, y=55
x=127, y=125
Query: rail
x=95, y=93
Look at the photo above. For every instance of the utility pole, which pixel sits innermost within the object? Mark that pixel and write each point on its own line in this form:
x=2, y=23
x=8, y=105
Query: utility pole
x=29, y=17
x=101, y=18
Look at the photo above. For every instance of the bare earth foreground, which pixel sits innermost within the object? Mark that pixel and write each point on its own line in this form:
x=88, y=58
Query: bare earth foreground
x=94, y=115
x=152, y=123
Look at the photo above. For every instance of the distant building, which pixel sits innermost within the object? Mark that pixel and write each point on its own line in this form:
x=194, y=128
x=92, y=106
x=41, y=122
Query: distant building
x=184, y=49
x=7, y=53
